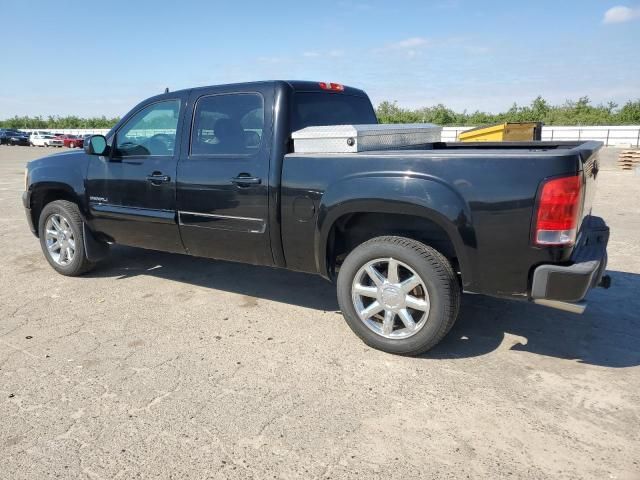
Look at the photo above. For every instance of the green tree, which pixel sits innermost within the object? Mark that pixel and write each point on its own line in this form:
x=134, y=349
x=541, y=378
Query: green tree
x=55, y=122
x=572, y=112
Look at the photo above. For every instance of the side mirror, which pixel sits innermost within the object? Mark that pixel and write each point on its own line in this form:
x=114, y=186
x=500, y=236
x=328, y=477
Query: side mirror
x=96, y=145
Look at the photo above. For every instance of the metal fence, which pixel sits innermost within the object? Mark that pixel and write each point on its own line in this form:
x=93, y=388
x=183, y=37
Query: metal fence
x=610, y=135
x=69, y=131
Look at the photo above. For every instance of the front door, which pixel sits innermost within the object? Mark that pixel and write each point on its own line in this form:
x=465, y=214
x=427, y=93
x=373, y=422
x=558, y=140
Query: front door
x=132, y=192
x=223, y=176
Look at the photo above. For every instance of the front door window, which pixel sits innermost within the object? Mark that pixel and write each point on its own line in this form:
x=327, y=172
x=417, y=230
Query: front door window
x=150, y=132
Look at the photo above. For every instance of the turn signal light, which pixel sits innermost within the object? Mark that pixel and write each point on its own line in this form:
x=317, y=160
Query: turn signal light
x=558, y=211
x=336, y=87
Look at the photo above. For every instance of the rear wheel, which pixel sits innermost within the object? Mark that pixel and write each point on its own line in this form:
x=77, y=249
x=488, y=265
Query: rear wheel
x=398, y=295
x=61, y=238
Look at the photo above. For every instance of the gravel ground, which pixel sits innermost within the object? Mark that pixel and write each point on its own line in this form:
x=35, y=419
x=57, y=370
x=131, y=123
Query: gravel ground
x=165, y=366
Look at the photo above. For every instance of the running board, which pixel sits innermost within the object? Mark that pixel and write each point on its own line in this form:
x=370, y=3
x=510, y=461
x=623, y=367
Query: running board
x=577, y=307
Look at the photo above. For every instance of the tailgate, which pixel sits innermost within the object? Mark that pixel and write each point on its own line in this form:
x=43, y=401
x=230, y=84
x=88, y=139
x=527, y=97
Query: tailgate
x=589, y=152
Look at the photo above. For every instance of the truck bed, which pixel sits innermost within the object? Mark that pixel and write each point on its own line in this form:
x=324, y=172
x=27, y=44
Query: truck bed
x=499, y=148
x=487, y=191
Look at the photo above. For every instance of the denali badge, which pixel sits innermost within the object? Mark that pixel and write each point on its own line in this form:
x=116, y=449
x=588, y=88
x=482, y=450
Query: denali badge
x=99, y=199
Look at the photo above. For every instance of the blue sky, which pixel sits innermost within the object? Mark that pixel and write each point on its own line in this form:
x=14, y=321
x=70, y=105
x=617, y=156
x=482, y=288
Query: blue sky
x=67, y=57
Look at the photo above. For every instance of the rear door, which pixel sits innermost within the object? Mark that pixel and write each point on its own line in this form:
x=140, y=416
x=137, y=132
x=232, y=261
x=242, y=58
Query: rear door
x=223, y=174
x=132, y=193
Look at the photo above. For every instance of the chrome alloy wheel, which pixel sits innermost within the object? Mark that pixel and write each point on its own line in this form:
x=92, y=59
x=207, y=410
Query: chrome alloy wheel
x=390, y=298
x=60, y=240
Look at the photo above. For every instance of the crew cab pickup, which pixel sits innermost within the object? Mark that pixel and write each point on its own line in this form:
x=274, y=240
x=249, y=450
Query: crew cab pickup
x=402, y=229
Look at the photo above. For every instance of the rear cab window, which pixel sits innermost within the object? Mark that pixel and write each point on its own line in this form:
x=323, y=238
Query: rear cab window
x=314, y=109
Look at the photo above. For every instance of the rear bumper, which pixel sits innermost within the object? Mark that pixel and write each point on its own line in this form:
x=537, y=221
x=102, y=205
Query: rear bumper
x=570, y=283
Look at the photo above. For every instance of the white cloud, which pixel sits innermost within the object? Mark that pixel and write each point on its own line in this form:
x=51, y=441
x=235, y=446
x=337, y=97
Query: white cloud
x=477, y=49
x=621, y=14
x=412, y=42
x=273, y=59
x=409, y=46
x=331, y=53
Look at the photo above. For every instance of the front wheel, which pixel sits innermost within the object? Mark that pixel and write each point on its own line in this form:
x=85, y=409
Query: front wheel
x=62, y=238
x=398, y=295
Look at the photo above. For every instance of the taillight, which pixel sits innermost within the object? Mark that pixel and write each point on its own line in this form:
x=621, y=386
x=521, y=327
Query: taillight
x=336, y=87
x=558, y=211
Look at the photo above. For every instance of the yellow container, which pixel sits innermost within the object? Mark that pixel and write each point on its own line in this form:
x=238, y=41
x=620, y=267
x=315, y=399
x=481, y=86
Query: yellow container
x=503, y=132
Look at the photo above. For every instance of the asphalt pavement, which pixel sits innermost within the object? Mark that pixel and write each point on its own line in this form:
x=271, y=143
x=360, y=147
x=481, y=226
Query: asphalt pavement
x=166, y=366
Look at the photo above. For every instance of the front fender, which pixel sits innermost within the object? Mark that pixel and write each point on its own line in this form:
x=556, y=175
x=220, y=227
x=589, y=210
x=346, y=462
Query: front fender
x=63, y=172
x=397, y=193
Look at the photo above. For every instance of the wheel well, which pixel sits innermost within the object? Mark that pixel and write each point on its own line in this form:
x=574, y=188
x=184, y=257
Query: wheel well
x=351, y=230
x=40, y=198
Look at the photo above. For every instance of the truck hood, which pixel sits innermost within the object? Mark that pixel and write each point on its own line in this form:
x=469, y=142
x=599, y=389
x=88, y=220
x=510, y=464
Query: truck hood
x=64, y=168
x=60, y=159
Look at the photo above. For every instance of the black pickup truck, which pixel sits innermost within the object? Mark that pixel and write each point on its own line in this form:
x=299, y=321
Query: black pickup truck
x=213, y=172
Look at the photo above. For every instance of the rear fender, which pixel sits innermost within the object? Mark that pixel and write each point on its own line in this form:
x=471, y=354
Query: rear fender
x=397, y=193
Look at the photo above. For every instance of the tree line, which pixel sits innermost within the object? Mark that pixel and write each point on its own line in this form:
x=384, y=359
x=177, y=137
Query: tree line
x=580, y=112
x=56, y=122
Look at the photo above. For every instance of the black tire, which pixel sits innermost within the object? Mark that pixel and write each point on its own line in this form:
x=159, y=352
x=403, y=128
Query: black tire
x=437, y=275
x=69, y=210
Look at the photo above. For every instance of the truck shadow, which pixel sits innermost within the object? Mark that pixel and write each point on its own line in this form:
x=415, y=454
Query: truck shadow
x=275, y=284
x=607, y=334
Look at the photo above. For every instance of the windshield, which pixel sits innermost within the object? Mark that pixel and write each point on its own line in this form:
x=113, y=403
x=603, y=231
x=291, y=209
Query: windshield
x=318, y=108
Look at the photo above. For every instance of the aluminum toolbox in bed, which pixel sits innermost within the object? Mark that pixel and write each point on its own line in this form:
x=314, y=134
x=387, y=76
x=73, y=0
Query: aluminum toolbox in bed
x=362, y=138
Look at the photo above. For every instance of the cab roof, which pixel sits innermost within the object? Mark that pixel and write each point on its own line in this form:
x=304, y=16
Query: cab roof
x=296, y=85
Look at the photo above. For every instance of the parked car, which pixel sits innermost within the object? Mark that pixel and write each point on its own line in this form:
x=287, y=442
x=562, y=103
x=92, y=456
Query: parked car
x=13, y=137
x=43, y=139
x=402, y=230
x=71, y=141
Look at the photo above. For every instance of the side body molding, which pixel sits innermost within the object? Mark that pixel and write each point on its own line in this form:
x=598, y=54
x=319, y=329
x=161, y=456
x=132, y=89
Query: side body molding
x=397, y=193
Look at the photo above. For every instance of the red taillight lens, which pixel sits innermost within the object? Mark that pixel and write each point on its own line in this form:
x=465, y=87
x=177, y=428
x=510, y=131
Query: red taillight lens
x=336, y=87
x=558, y=211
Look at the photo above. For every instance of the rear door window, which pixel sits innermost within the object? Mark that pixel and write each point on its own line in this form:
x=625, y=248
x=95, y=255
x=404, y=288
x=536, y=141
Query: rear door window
x=227, y=124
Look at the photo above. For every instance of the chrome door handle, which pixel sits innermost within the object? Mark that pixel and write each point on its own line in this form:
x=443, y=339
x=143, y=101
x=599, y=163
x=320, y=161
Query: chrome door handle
x=244, y=181
x=157, y=179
